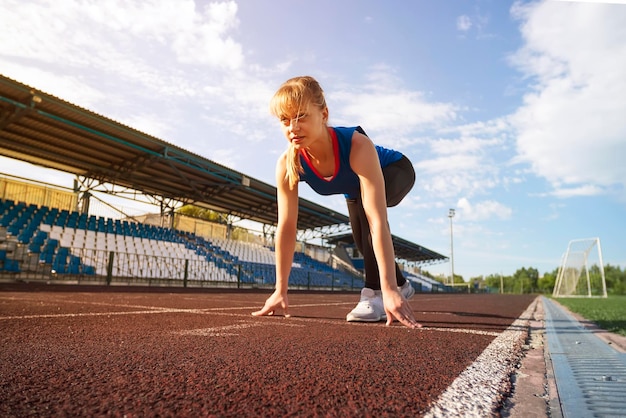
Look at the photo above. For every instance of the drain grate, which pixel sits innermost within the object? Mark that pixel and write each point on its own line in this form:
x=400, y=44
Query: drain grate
x=590, y=375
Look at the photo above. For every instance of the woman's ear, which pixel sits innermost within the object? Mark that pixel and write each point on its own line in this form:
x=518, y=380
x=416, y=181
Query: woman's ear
x=325, y=114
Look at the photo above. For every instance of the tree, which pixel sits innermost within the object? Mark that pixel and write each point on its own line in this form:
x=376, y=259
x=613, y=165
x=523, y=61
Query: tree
x=546, y=283
x=492, y=281
x=477, y=284
x=526, y=280
x=615, y=280
x=427, y=274
x=200, y=213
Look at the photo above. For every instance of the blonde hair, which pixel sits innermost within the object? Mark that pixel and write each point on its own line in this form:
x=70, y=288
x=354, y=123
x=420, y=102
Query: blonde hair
x=294, y=95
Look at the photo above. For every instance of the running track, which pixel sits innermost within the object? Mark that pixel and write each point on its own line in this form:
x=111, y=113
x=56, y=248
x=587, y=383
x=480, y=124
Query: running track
x=135, y=352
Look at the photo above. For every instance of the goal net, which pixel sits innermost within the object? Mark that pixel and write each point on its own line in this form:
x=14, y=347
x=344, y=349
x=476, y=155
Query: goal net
x=581, y=273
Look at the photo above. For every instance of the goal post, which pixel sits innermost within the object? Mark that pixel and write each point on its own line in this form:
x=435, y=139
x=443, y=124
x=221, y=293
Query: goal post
x=581, y=273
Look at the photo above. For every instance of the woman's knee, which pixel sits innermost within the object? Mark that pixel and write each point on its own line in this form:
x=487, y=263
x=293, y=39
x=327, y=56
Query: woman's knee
x=399, y=180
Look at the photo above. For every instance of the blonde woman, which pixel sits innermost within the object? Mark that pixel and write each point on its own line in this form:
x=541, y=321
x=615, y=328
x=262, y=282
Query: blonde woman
x=335, y=160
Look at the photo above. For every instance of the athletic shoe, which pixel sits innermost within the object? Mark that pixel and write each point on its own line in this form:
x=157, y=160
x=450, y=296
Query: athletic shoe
x=369, y=309
x=407, y=290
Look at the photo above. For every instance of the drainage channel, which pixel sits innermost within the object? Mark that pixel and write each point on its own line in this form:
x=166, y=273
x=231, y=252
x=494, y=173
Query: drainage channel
x=590, y=375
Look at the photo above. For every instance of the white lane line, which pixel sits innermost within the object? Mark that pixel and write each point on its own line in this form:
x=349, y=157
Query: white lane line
x=466, y=331
x=78, y=315
x=477, y=391
x=397, y=327
x=225, y=330
x=53, y=301
x=203, y=312
x=143, y=310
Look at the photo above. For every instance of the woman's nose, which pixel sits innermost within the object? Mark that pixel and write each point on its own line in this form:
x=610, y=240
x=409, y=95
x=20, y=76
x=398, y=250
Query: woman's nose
x=293, y=124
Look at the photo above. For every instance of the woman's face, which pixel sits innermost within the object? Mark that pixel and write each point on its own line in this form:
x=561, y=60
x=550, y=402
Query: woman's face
x=303, y=127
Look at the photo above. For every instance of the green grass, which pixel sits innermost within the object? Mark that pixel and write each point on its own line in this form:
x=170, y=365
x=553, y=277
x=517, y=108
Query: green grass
x=609, y=313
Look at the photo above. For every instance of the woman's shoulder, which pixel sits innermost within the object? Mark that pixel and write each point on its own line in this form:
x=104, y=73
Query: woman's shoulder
x=359, y=139
x=347, y=135
x=281, y=162
x=283, y=156
x=345, y=131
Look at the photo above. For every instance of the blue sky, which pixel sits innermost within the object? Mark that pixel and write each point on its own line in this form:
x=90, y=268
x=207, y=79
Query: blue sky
x=512, y=112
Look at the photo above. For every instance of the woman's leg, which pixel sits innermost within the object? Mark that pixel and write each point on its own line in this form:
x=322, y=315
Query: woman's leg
x=399, y=179
x=363, y=240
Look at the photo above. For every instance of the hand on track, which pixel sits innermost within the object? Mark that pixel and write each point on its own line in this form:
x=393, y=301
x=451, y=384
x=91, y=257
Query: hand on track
x=396, y=306
x=275, y=301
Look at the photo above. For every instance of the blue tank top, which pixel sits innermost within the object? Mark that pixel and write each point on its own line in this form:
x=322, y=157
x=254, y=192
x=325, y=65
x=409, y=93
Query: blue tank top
x=344, y=181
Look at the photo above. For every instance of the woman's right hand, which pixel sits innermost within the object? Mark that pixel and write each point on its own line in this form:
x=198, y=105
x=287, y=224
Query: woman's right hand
x=397, y=307
x=275, y=301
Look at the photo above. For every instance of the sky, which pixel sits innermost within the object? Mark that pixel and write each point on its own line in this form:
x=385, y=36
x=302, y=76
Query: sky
x=512, y=112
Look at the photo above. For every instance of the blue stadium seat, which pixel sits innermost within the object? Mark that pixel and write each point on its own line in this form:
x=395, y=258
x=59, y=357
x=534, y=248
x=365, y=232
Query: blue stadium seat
x=11, y=266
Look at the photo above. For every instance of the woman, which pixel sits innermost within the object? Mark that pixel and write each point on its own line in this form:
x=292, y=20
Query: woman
x=340, y=161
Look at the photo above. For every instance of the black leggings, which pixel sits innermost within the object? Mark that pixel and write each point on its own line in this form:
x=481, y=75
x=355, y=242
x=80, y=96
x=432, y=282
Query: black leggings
x=399, y=179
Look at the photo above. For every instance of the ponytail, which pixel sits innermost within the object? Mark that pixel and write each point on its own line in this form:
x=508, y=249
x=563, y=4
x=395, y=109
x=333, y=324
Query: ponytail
x=293, y=166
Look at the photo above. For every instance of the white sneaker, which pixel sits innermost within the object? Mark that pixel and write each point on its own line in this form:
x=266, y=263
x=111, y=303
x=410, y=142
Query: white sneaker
x=407, y=290
x=369, y=309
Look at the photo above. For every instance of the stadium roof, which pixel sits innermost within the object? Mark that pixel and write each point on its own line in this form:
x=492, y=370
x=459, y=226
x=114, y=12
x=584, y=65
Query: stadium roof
x=47, y=131
x=403, y=249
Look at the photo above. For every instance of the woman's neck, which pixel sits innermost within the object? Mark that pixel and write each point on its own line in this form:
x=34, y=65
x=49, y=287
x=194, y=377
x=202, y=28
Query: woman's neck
x=322, y=149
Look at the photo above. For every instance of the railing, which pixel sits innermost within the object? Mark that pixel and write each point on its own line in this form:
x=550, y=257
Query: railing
x=95, y=266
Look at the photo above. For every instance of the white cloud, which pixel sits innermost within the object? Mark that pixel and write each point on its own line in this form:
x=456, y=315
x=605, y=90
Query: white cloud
x=85, y=22
x=445, y=178
x=478, y=23
x=482, y=211
x=463, y=145
x=132, y=61
x=208, y=43
x=149, y=123
x=449, y=164
x=463, y=23
x=597, y=1
x=469, y=162
x=144, y=42
x=586, y=190
x=384, y=106
x=71, y=89
x=493, y=127
x=571, y=128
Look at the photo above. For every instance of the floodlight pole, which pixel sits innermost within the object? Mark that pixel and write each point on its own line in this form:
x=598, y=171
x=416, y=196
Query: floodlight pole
x=451, y=215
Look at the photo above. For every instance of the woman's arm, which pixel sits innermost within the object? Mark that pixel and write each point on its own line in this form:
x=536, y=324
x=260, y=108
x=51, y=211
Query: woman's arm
x=287, y=226
x=365, y=163
x=285, y=240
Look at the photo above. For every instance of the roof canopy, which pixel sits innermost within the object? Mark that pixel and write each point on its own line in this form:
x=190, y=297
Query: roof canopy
x=403, y=249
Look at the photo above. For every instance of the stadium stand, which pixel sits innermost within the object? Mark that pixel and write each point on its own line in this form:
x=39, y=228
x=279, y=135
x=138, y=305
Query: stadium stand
x=48, y=241
x=425, y=284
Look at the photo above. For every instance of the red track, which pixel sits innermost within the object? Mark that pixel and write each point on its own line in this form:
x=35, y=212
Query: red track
x=97, y=351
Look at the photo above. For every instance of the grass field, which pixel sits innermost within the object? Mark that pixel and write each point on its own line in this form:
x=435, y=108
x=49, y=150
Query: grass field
x=609, y=313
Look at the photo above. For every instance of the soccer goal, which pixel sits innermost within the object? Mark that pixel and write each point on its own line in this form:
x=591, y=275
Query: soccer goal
x=581, y=273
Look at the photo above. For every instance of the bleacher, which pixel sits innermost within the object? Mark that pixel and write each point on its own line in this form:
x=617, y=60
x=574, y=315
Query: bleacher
x=43, y=242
